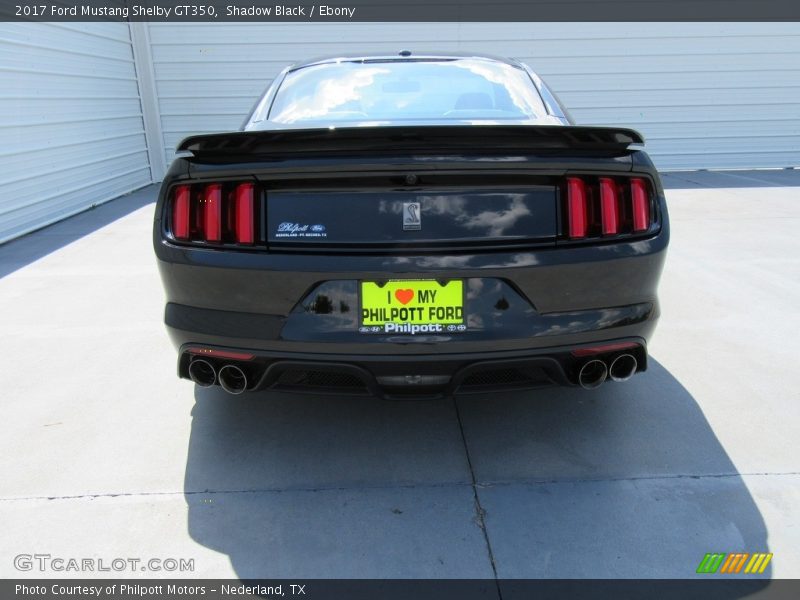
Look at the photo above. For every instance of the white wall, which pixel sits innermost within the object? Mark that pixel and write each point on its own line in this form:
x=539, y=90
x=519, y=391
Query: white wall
x=71, y=132
x=705, y=95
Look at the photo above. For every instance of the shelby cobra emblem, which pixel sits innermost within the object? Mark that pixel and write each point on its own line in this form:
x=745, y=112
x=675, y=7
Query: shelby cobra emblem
x=412, y=220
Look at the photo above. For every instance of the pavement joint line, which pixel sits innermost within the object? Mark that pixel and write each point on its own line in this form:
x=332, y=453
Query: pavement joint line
x=509, y=482
x=476, y=485
x=332, y=488
x=479, y=510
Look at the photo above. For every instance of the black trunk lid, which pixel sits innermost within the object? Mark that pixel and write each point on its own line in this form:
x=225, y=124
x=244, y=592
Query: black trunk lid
x=365, y=219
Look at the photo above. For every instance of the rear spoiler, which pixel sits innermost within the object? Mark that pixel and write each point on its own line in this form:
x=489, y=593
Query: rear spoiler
x=465, y=139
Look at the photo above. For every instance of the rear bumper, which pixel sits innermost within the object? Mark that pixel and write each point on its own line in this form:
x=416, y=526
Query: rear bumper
x=412, y=375
x=331, y=335
x=526, y=313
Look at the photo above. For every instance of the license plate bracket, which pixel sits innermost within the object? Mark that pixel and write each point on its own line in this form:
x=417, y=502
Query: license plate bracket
x=411, y=306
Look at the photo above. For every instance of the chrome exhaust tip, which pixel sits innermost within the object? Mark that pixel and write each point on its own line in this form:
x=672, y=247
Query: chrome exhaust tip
x=202, y=372
x=592, y=374
x=232, y=379
x=623, y=367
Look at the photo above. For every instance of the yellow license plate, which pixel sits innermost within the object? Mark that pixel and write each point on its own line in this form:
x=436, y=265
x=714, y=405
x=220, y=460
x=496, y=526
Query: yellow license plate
x=412, y=306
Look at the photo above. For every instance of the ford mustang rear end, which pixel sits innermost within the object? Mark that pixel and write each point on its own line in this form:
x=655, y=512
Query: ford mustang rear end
x=410, y=225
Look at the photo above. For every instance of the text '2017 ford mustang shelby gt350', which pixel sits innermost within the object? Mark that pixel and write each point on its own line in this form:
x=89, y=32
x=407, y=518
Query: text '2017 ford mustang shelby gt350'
x=410, y=225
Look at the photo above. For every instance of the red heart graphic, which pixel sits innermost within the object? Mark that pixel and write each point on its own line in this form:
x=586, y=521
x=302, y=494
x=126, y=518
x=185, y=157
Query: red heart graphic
x=404, y=296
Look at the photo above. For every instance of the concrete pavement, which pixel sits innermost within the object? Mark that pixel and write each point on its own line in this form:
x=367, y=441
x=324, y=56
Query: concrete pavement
x=104, y=453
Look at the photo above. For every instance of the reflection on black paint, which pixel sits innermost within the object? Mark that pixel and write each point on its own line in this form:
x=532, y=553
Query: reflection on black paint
x=447, y=215
x=322, y=305
x=494, y=311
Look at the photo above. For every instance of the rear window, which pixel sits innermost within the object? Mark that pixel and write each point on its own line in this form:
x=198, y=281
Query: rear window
x=413, y=90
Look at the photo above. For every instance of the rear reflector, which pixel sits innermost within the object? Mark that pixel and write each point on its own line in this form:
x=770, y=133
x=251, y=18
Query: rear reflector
x=180, y=212
x=244, y=226
x=608, y=206
x=221, y=353
x=641, y=205
x=213, y=212
x=576, y=207
x=603, y=349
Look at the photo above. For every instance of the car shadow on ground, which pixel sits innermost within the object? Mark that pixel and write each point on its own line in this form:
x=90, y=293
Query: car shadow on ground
x=625, y=481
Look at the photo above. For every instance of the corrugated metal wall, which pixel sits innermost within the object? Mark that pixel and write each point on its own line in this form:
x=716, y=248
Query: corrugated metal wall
x=71, y=132
x=705, y=95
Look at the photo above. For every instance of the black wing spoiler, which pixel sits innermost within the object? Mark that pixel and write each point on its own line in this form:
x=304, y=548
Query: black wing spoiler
x=464, y=139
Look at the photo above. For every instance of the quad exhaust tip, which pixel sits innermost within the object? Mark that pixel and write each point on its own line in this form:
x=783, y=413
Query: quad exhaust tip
x=202, y=372
x=232, y=379
x=623, y=367
x=592, y=374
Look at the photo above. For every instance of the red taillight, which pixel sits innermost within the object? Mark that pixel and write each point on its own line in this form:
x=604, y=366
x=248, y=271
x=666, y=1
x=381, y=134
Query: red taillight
x=180, y=212
x=598, y=208
x=244, y=214
x=576, y=207
x=641, y=205
x=212, y=206
x=214, y=213
x=608, y=206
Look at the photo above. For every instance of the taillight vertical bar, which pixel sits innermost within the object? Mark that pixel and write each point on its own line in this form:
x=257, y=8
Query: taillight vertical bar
x=213, y=212
x=245, y=217
x=641, y=205
x=608, y=206
x=576, y=207
x=180, y=212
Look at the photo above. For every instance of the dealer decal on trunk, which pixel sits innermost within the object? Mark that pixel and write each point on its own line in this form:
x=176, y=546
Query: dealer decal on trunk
x=297, y=230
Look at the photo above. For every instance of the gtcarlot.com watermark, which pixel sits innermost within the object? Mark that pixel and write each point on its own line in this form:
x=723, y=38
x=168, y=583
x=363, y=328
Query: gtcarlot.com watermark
x=60, y=564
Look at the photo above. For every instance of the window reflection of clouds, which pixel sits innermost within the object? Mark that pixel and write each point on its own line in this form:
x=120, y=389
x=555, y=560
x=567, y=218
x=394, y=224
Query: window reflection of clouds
x=330, y=93
x=515, y=81
x=321, y=92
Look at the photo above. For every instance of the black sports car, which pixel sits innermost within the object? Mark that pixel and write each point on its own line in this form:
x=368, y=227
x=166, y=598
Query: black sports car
x=410, y=224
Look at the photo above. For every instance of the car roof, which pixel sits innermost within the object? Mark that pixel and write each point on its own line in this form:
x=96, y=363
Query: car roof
x=404, y=56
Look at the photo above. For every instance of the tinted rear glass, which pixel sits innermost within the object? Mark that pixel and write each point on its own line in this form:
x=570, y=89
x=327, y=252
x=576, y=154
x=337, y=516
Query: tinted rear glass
x=438, y=90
